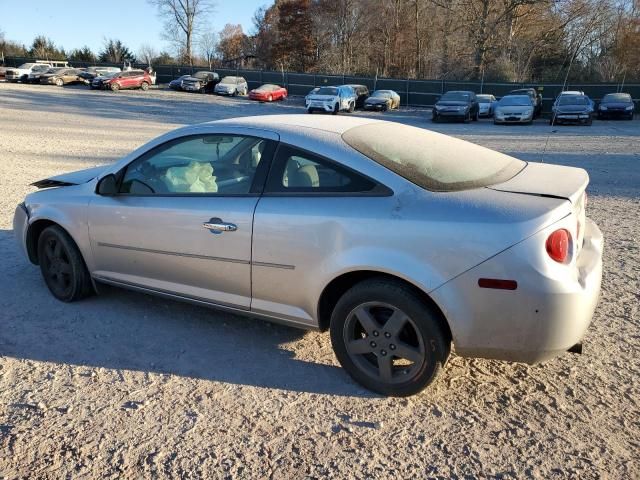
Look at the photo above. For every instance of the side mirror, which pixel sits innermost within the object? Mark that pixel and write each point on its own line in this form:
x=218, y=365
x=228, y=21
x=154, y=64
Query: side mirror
x=107, y=186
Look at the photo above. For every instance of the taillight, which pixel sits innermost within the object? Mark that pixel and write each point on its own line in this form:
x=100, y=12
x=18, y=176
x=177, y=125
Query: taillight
x=558, y=245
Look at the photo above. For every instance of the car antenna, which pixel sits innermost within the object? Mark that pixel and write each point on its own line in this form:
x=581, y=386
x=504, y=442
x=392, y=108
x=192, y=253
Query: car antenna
x=564, y=87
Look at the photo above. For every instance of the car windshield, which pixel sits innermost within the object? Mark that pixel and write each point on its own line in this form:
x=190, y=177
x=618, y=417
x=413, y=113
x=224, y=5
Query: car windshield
x=515, y=100
x=231, y=80
x=484, y=99
x=573, y=100
x=26, y=65
x=431, y=160
x=455, y=97
x=333, y=91
x=617, y=97
x=201, y=74
x=268, y=87
x=381, y=94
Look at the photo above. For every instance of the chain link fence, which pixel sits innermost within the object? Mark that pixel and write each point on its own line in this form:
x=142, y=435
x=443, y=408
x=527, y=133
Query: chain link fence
x=415, y=93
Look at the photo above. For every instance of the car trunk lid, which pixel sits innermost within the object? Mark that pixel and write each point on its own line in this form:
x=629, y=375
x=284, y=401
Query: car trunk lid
x=546, y=180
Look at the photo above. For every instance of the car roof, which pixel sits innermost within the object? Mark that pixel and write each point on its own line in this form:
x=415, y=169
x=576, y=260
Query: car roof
x=292, y=123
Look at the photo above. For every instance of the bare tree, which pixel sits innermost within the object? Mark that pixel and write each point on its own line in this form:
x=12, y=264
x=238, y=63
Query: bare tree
x=208, y=43
x=183, y=19
x=146, y=54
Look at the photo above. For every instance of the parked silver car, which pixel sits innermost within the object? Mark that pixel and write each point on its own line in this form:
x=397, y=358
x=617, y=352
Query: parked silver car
x=232, y=86
x=514, y=109
x=398, y=240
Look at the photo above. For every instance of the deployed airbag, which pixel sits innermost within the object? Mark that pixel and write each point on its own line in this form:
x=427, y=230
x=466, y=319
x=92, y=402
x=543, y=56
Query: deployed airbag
x=197, y=177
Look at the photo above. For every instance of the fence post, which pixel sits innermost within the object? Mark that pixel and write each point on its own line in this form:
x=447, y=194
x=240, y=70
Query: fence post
x=407, y=84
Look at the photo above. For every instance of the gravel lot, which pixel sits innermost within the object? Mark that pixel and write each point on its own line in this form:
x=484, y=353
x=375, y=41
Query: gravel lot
x=124, y=385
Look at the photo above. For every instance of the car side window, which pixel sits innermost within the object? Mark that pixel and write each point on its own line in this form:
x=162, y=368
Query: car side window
x=199, y=164
x=298, y=171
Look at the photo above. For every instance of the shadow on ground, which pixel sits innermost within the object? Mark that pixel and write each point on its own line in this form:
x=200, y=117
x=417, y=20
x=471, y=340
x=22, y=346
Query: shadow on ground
x=125, y=330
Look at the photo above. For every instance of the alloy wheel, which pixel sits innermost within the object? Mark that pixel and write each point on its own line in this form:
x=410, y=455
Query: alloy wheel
x=384, y=343
x=57, y=267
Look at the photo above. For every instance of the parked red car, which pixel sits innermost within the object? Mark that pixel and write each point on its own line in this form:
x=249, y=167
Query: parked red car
x=121, y=80
x=268, y=93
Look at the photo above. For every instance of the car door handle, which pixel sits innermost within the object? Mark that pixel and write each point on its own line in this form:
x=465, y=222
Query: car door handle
x=216, y=225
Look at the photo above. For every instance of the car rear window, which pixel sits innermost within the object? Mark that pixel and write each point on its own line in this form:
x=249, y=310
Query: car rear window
x=431, y=160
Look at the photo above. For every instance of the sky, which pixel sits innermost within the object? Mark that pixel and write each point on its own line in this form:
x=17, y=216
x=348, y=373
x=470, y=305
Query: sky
x=75, y=23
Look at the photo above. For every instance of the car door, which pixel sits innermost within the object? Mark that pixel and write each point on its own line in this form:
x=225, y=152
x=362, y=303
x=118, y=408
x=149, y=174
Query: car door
x=182, y=220
x=310, y=208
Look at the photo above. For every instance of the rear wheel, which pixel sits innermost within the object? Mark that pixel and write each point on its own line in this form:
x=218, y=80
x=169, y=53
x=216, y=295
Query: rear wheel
x=59, y=82
x=62, y=266
x=387, y=338
x=144, y=86
x=114, y=87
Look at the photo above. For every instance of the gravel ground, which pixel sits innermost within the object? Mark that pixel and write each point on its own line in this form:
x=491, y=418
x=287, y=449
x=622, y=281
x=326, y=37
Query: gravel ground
x=124, y=385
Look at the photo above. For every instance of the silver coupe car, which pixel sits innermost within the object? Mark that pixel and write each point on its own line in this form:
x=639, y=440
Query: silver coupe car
x=398, y=240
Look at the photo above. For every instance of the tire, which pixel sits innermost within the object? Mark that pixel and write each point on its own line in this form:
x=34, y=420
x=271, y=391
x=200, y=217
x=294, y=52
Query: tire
x=476, y=117
x=59, y=82
x=418, y=334
x=62, y=265
x=336, y=109
x=352, y=107
x=467, y=118
x=144, y=86
x=309, y=111
x=114, y=87
x=434, y=118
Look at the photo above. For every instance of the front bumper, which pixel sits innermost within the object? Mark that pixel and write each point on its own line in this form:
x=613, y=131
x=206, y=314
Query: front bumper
x=320, y=106
x=451, y=114
x=513, y=118
x=547, y=314
x=615, y=113
x=20, y=227
x=376, y=106
x=572, y=118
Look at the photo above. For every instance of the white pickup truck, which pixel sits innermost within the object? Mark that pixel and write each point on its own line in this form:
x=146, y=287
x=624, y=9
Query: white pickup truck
x=21, y=73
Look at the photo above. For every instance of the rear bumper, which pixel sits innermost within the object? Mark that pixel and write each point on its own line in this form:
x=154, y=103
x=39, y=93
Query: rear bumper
x=547, y=314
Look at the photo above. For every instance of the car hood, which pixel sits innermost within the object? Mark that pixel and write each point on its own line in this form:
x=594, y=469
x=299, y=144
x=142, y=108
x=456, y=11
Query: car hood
x=72, y=178
x=547, y=180
x=617, y=104
x=573, y=109
x=322, y=98
x=512, y=108
x=452, y=104
x=374, y=101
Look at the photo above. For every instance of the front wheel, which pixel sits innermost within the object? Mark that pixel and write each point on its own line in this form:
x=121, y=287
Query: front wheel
x=387, y=338
x=336, y=108
x=352, y=107
x=62, y=266
x=476, y=116
x=270, y=99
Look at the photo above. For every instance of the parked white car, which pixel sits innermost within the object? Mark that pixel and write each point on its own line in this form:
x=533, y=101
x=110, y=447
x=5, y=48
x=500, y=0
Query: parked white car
x=332, y=99
x=487, y=105
x=21, y=73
